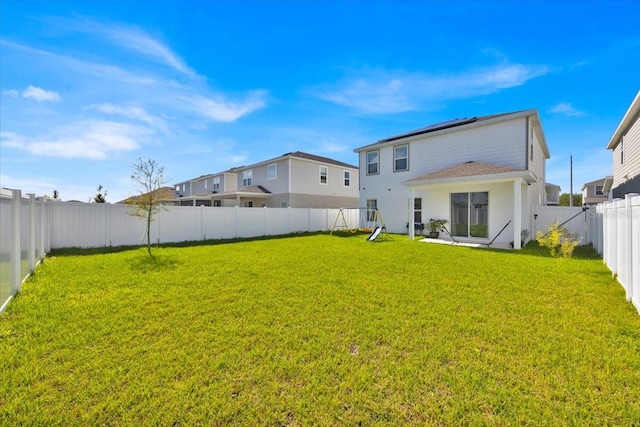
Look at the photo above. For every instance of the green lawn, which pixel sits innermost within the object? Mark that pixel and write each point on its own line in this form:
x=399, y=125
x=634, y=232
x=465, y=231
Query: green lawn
x=320, y=330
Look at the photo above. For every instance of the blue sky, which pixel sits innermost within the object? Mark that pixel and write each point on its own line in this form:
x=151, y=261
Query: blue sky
x=88, y=87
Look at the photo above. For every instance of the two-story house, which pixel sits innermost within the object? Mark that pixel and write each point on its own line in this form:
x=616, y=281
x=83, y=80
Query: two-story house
x=625, y=143
x=482, y=174
x=593, y=192
x=297, y=180
x=202, y=190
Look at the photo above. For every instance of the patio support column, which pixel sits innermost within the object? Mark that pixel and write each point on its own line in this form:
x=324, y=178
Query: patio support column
x=517, y=213
x=412, y=197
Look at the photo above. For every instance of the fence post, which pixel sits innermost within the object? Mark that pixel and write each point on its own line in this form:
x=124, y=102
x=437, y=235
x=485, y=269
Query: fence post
x=31, y=251
x=43, y=230
x=629, y=246
x=16, y=203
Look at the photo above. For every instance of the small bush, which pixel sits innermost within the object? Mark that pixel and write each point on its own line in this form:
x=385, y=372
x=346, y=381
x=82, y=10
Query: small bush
x=558, y=240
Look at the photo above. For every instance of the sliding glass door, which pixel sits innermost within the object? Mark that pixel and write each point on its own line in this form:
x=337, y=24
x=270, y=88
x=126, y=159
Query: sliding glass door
x=470, y=214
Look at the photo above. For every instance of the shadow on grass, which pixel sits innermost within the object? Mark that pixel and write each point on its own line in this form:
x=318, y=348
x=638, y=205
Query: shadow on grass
x=145, y=263
x=76, y=251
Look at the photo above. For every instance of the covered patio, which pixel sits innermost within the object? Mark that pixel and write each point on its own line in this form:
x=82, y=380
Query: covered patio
x=483, y=203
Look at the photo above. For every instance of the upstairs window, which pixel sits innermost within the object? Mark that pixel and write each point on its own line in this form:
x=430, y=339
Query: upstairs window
x=216, y=183
x=347, y=179
x=401, y=158
x=373, y=160
x=621, y=151
x=205, y=184
x=324, y=172
x=247, y=177
x=271, y=171
x=599, y=190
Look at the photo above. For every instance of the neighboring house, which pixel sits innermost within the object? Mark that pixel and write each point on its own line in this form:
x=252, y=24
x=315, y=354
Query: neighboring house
x=297, y=180
x=202, y=190
x=553, y=194
x=593, y=192
x=625, y=144
x=482, y=174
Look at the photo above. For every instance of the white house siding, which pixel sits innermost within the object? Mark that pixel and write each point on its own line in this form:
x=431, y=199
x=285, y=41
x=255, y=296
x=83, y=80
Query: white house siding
x=436, y=203
x=537, y=195
x=502, y=143
x=631, y=166
x=306, y=180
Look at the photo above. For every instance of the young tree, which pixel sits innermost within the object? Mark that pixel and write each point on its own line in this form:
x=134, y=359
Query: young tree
x=148, y=179
x=99, y=197
x=564, y=199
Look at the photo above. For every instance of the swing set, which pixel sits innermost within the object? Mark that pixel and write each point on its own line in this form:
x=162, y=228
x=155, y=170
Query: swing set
x=352, y=220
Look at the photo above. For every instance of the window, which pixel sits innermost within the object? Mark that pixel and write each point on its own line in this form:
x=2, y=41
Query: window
x=417, y=210
x=184, y=187
x=599, y=190
x=217, y=203
x=347, y=179
x=178, y=187
x=248, y=204
x=621, y=151
x=205, y=184
x=283, y=204
x=271, y=171
x=401, y=158
x=470, y=214
x=216, y=183
x=247, y=178
x=324, y=171
x=373, y=159
x=372, y=207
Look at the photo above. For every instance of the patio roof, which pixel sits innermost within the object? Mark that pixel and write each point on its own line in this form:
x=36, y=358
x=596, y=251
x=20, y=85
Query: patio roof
x=470, y=171
x=255, y=191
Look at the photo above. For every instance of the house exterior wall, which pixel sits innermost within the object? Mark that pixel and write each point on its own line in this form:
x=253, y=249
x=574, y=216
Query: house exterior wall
x=503, y=143
x=630, y=168
x=436, y=203
x=306, y=180
x=297, y=184
x=536, y=165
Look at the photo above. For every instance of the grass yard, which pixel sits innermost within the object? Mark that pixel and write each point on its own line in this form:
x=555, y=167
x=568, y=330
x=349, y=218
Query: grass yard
x=320, y=330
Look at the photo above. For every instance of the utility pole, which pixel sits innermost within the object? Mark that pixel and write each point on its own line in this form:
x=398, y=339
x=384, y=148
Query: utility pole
x=570, y=180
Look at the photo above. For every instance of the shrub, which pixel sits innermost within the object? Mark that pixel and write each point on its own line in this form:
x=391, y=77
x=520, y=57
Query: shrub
x=558, y=240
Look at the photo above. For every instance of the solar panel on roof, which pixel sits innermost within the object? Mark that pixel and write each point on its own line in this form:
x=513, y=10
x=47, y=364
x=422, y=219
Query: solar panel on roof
x=434, y=127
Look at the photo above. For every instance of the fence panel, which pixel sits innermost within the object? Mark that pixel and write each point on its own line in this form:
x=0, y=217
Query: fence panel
x=23, y=226
x=620, y=248
x=544, y=216
x=5, y=249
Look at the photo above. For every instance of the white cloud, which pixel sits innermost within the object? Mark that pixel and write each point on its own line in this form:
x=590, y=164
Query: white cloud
x=387, y=92
x=89, y=139
x=40, y=94
x=219, y=109
x=135, y=39
x=566, y=109
x=131, y=111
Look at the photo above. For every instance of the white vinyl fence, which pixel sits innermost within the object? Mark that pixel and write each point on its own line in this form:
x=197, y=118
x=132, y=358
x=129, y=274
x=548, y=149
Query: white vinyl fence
x=98, y=225
x=24, y=239
x=617, y=227
x=576, y=220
